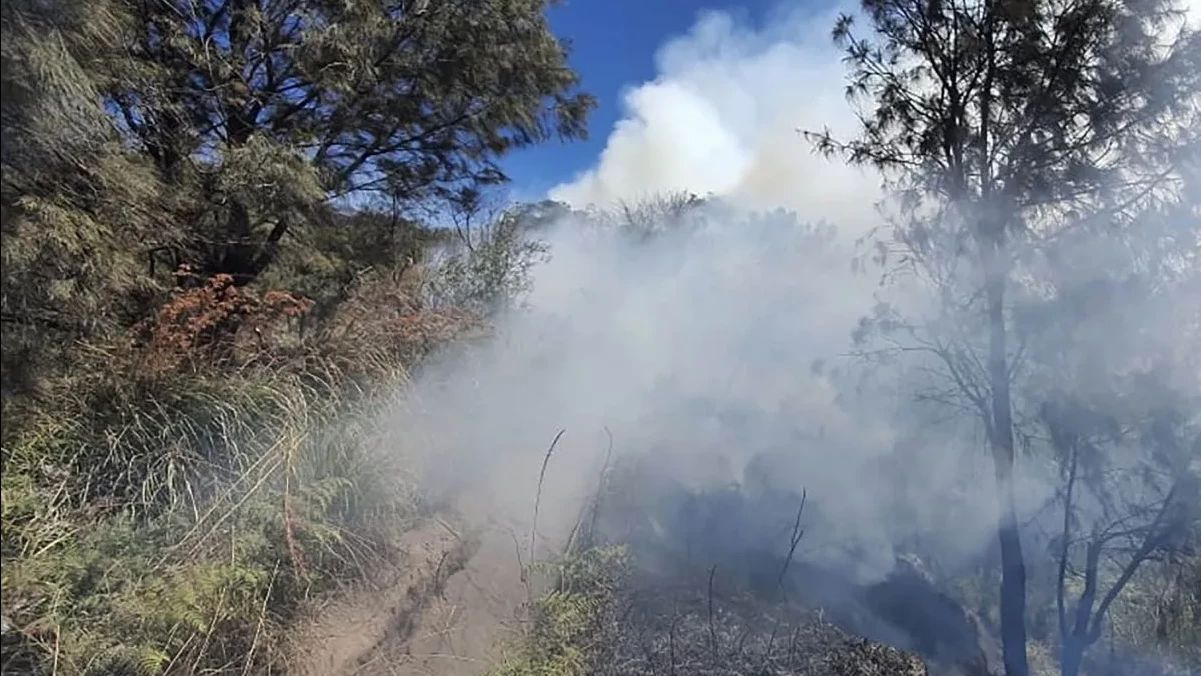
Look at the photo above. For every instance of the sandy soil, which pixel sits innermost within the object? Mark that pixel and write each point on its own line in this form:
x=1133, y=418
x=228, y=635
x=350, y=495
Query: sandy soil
x=446, y=610
x=357, y=633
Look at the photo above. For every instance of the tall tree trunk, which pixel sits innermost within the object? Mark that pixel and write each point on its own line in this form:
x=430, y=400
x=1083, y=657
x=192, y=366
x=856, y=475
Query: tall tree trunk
x=1013, y=566
x=1071, y=656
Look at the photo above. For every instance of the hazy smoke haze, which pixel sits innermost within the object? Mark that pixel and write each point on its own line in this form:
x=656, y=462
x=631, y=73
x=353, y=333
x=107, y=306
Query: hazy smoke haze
x=717, y=345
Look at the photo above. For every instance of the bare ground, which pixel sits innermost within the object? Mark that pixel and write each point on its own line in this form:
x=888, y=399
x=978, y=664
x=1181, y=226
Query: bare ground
x=351, y=635
x=444, y=611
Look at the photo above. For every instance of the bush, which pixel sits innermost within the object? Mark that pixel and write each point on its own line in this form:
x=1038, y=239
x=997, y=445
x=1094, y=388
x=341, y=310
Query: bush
x=490, y=271
x=569, y=626
x=173, y=498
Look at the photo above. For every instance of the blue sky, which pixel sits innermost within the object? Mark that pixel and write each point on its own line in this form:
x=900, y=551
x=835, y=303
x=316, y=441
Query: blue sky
x=613, y=47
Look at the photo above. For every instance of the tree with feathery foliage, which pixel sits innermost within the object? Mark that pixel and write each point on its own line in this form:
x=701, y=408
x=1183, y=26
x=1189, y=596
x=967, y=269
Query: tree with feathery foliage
x=1001, y=124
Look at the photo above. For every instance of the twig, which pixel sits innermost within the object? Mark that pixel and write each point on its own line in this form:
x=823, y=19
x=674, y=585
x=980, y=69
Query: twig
x=523, y=573
x=771, y=641
x=592, y=509
x=600, y=488
x=269, y=455
x=517, y=552
x=538, y=495
x=179, y=653
x=737, y=652
x=295, y=551
x=712, y=630
x=208, y=635
x=793, y=540
x=442, y=522
x=439, y=582
x=671, y=638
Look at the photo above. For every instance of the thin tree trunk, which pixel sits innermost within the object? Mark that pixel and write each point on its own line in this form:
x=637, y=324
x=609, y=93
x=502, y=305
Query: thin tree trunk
x=1013, y=566
x=996, y=271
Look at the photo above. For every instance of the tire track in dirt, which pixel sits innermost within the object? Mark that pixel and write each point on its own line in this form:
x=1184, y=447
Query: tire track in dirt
x=446, y=611
x=462, y=631
x=354, y=634
x=457, y=594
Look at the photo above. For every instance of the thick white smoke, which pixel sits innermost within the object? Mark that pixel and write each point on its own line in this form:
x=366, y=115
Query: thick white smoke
x=726, y=344
x=704, y=349
x=724, y=116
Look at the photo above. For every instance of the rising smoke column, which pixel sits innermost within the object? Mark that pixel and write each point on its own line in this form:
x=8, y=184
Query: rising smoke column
x=724, y=117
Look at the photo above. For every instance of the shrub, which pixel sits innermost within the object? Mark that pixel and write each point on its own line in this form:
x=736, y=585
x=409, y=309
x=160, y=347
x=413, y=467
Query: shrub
x=201, y=325
x=172, y=499
x=568, y=627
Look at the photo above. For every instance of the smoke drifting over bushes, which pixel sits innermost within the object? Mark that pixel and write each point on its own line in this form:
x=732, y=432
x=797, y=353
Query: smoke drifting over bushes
x=729, y=342
x=722, y=350
x=707, y=348
x=723, y=113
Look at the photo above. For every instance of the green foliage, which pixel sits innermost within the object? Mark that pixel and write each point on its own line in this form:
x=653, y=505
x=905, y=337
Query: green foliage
x=490, y=268
x=264, y=114
x=569, y=625
x=169, y=519
x=212, y=286
x=1020, y=111
x=237, y=501
x=330, y=261
x=79, y=214
x=246, y=138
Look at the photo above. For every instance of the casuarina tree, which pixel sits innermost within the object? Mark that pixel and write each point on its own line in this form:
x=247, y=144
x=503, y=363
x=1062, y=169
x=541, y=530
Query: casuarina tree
x=999, y=124
x=142, y=135
x=267, y=110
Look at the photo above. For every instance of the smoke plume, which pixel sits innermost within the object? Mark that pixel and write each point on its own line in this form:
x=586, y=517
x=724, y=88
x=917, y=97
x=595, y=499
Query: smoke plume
x=724, y=117
x=713, y=349
x=724, y=351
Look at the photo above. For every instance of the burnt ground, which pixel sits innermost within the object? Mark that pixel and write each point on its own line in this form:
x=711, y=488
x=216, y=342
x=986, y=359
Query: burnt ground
x=771, y=610
x=454, y=599
x=667, y=627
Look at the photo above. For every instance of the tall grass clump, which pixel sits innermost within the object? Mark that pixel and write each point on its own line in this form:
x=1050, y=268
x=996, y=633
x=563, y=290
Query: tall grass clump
x=173, y=497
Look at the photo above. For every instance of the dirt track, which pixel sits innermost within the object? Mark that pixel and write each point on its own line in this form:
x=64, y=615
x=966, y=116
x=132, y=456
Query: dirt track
x=448, y=607
x=443, y=611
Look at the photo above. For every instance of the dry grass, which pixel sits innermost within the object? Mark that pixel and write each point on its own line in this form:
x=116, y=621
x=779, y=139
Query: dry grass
x=168, y=504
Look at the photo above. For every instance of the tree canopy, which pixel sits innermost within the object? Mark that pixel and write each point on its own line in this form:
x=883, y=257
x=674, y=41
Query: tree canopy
x=1004, y=126
x=144, y=135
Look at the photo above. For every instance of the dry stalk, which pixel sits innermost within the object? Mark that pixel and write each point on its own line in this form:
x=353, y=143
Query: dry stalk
x=591, y=509
x=712, y=629
x=538, y=495
x=258, y=628
x=793, y=540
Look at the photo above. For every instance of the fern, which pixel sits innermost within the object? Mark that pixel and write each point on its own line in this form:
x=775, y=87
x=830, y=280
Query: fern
x=567, y=623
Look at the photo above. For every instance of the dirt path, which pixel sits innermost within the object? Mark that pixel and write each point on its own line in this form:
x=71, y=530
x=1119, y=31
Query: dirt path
x=444, y=612
x=449, y=606
x=462, y=631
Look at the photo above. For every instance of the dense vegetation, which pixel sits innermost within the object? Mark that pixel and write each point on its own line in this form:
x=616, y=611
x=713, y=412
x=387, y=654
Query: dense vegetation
x=216, y=215
x=1017, y=136
x=212, y=283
